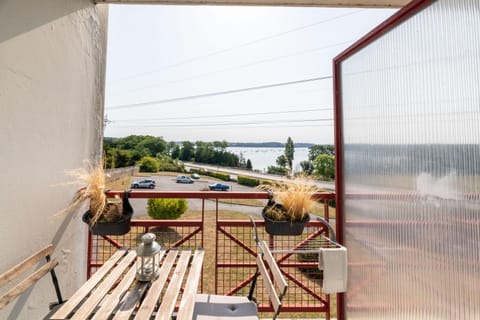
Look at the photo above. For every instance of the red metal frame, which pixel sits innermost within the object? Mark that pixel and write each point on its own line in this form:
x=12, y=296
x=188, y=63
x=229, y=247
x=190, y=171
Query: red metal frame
x=285, y=266
x=289, y=268
x=197, y=226
x=405, y=13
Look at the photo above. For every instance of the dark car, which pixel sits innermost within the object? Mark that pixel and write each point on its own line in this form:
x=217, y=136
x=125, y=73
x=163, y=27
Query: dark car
x=145, y=183
x=218, y=187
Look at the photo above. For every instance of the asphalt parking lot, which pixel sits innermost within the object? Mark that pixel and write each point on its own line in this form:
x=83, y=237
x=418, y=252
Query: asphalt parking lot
x=168, y=183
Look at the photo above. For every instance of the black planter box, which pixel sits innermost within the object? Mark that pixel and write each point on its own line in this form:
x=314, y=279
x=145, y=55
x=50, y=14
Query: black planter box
x=284, y=228
x=116, y=228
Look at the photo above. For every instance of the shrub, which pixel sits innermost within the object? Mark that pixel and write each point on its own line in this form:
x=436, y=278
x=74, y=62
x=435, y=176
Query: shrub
x=218, y=175
x=164, y=209
x=148, y=164
x=324, y=165
x=215, y=174
x=171, y=167
x=166, y=163
x=277, y=170
x=221, y=176
x=248, y=181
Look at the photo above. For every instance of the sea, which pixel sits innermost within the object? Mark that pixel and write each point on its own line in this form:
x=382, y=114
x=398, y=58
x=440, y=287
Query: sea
x=263, y=157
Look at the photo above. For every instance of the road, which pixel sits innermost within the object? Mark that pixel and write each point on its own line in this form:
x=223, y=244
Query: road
x=329, y=186
x=167, y=183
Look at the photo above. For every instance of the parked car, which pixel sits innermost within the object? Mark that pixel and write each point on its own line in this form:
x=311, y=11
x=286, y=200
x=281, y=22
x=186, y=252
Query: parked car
x=145, y=183
x=218, y=187
x=195, y=176
x=184, y=179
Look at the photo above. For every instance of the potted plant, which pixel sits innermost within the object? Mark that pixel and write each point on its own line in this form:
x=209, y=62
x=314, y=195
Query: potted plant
x=288, y=209
x=114, y=218
x=105, y=216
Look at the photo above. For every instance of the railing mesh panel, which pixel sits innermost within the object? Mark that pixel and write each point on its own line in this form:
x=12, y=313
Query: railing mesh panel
x=236, y=266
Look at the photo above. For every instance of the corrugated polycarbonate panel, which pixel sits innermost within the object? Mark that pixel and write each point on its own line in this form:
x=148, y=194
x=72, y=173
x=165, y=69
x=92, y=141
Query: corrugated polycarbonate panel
x=411, y=134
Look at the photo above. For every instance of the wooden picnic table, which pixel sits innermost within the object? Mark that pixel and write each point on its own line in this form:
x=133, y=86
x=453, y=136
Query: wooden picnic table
x=114, y=293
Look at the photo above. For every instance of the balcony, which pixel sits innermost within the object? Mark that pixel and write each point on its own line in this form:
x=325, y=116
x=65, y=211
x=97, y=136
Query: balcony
x=231, y=250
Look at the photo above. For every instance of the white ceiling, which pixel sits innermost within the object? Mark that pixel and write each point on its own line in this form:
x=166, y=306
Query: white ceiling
x=308, y=3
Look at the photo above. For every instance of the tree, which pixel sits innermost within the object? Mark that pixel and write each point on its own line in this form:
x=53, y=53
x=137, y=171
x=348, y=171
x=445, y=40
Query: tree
x=128, y=143
x=307, y=166
x=289, y=151
x=204, y=152
x=324, y=165
x=241, y=161
x=249, y=165
x=277, y=170
x=187, y=151
x=123, y=158
x=220, y=145
x=171, y=146
x=148, y=164
x=175, y=152
x=318, y=149
x=153, y=145
x=281, y=161
x=109, y=156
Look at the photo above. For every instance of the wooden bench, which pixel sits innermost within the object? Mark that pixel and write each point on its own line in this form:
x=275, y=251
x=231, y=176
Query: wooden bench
x=15, y=272
x=209, y=306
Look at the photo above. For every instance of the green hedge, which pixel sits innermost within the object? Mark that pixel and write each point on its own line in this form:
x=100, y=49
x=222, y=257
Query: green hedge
x=248, y=181
x=215, y=174
x=161, y=208
x=221, y=175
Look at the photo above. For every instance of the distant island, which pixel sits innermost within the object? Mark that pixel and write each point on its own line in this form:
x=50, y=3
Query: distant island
x=268, y=144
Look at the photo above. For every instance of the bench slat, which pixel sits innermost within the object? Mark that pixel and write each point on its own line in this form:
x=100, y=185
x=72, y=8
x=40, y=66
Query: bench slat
x=26, y=283
x=19, y=268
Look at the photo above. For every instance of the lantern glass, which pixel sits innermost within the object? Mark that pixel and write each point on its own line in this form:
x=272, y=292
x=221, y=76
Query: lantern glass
x=148, y=257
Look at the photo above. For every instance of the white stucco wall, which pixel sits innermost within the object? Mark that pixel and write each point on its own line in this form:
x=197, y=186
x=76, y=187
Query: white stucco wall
x=52, y=67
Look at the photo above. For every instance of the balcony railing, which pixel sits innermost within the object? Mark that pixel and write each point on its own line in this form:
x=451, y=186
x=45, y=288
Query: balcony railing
x=231, y=249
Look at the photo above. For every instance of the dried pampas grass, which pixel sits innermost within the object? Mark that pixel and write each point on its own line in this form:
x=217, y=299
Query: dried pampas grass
x=293, y=198
x=93, y=179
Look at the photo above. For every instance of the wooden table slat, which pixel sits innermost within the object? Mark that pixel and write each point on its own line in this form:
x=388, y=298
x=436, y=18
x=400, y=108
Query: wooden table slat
x=85, y=289
x=185, y=310
x=131, y=299
x=111, y=301
x=168, y=302
x=97, y=295
x=150, y=301
x=113, y=290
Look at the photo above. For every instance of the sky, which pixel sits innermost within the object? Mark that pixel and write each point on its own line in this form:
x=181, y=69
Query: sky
x=240, y=74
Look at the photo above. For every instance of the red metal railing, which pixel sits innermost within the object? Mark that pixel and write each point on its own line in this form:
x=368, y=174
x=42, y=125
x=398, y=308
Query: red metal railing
x=233, y=259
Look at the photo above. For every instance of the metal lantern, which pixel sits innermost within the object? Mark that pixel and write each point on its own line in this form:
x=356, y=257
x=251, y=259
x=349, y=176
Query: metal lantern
x=147, y=258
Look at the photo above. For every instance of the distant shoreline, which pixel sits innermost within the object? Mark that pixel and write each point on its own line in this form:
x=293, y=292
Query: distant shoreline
x=268, y=144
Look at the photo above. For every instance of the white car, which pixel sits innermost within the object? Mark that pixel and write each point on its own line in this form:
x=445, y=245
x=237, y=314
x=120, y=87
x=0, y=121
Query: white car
x=195, y=176
x=184, y=179
x=146, y=183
